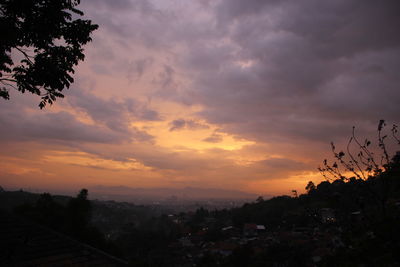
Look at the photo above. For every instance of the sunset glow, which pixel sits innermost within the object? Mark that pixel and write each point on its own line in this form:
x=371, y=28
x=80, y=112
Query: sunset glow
x=208, y=94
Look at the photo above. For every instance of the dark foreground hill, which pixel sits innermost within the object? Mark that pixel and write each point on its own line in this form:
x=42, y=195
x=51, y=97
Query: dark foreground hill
x=343, y=222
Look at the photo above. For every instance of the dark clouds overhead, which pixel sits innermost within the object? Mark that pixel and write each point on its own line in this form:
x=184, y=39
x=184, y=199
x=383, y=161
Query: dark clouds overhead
x=116, y=114
x=111, y=120
x=306, y=69
x=289, y=76
x=54, y=127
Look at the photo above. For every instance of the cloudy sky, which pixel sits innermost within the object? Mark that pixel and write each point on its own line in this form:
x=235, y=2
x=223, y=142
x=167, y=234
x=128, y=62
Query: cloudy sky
x=233, y=94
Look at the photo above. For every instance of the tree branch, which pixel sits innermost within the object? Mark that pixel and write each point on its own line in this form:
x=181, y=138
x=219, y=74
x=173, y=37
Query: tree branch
x=28, y=57
x=8, y=80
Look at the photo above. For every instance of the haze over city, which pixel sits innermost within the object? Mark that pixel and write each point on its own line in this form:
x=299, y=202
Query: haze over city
x=230, y=95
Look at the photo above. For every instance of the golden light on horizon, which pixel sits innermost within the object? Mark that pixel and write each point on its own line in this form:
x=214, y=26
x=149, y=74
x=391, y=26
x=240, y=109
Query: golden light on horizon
x=87, y=160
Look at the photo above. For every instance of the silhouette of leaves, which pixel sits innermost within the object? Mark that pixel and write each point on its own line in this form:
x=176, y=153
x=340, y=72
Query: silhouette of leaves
x=49, y=41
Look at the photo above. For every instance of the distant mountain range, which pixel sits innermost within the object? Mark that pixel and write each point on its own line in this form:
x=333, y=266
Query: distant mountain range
x=186, y=193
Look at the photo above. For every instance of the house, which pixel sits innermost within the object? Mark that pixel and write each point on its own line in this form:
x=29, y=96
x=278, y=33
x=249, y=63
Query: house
x=185, y=242
x=260, y=228
x=327, y=215
x=252, y=229
x=231, y=231
x=224, y=248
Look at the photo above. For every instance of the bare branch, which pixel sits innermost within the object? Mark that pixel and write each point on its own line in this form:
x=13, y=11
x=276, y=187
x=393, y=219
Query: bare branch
x=8, y=80
x=353, y=159
x=382, y=143
x=27, y=57
x=394, y=133
x=370, y=157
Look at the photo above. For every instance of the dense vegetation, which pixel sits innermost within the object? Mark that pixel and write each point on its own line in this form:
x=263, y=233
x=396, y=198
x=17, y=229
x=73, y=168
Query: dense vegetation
x=70, y=216
x=367, y=229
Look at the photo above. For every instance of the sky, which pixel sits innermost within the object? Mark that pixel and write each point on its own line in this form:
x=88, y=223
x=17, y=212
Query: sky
x=232, y=94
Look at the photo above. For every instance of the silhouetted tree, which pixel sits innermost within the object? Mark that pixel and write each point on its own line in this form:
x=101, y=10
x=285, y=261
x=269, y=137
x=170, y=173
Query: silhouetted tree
x=200, y=215
x=310, y=187
x=79, y=209
x=366, y=164
x=49, y=211
x=363, y=162
x=49, y=41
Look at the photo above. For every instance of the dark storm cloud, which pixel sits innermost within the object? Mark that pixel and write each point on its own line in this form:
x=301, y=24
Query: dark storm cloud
x=177, y=124
x=116, y=114
x=166, y=77
x=214, y=138
x=128, y=20
x=60, y=126
x=119, y=5
x=180, y=124
x=112, y=120
x=301, y=70
x=349, y=26
x=138, y=67
x=142, y=6
x=264, y=70
x=104, y=111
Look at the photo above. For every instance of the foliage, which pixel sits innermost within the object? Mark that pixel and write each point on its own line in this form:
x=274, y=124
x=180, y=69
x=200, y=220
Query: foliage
x=310, y=187
x=365, y=161
x=72, y=219
x=49, y=40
